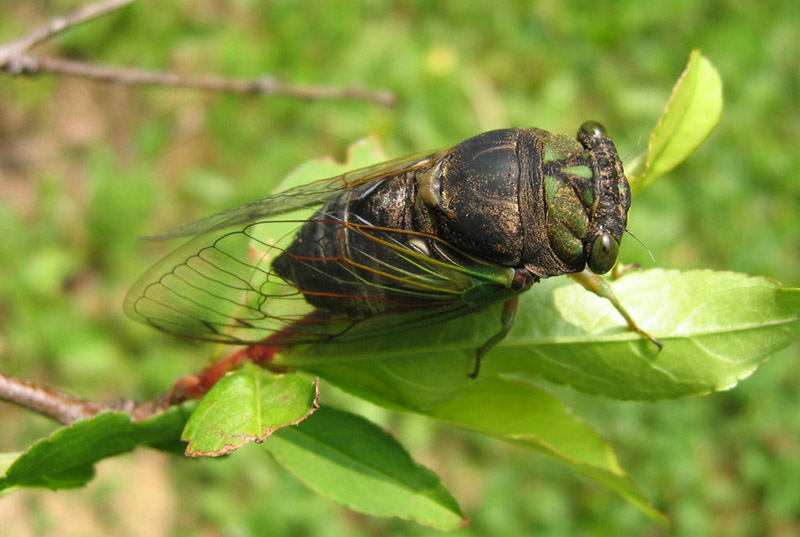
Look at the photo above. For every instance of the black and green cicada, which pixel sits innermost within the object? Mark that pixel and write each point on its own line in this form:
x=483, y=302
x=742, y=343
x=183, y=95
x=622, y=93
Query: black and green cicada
x=404, y=243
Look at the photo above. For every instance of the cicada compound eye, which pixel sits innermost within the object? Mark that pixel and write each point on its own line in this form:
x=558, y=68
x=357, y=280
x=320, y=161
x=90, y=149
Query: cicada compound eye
x=603, y=254
x=593, y=129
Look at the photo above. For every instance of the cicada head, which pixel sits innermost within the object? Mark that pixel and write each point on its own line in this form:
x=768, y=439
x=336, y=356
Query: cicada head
x=612, y=199
x=586, y=204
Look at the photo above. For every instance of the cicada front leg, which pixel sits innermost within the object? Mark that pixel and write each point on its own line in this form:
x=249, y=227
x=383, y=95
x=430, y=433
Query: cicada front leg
x=597, y=285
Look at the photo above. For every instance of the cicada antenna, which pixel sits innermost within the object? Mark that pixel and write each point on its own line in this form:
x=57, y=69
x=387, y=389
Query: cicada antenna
x=652, y=258
x=631, y=152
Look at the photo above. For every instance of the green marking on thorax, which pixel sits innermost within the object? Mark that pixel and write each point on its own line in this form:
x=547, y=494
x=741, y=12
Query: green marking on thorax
x=582, y=171
x=588, y=196
x=548, y=153
x=550, y=189
x=561, y=147
x=573, y=215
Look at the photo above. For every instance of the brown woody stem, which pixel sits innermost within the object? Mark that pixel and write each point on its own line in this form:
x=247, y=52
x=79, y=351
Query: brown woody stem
x=16, y=59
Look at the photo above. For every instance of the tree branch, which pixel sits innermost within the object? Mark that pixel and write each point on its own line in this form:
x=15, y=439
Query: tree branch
x=58, y=25
x=15, y=59
x=57, y=405
x=25, y=64
x=68, y=409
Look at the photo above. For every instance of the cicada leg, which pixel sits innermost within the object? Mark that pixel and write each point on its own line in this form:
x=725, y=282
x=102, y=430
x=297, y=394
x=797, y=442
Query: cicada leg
x=597, y=285
x=621, y=270
x=506, y=322
x=196, y=386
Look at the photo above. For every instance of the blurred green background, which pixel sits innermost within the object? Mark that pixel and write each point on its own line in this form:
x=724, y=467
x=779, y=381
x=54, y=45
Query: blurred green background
x=87, y=167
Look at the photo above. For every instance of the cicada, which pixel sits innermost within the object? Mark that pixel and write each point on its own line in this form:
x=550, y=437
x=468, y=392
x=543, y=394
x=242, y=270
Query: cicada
x=405, y=243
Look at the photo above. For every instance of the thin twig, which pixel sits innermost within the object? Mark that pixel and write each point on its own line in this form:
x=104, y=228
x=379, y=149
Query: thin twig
x=60, y=24
x=26, y=64
x=59, y=406
x=67, y=409
x=15, y=59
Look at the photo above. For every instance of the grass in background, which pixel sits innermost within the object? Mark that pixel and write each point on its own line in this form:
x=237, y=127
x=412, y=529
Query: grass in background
x=85, y=168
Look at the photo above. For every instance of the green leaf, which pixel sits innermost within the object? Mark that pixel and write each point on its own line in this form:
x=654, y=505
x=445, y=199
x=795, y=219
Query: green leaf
x=6, y=460
x=716, y=326
x=692, y=112
x=353, y=461
x=66, y=459
x=360, y=154
x=526, y=415
x=248, y=406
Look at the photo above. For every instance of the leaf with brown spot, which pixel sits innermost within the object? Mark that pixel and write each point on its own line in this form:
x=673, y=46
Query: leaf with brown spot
x=248, y=406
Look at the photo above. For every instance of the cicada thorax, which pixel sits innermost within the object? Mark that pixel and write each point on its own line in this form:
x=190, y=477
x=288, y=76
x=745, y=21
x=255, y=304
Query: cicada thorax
x=525, y=199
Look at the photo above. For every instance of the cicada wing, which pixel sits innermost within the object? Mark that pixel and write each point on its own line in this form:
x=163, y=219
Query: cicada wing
x=305, y=196
x=217, y=287
x=222, y=286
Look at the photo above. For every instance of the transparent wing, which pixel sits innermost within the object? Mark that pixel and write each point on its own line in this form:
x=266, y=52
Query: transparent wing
x=306, y=196
x=221, y=286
